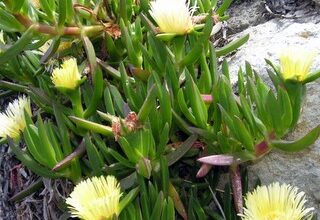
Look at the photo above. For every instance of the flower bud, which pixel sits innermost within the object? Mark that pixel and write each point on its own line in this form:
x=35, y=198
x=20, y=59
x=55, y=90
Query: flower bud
x=144, y=167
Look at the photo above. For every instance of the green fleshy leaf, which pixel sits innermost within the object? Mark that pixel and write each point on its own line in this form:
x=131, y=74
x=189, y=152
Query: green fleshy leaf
x=232, y=46
x=92, y=126
x=128, y=198
x=18, y=46
x=286, y=109
x=17, y=5
x=312, y=77
x=62, y=12
x=298, y=145
x=156, y=211
x=32, y=188
x=118, y=103
x=133, y=54
x=243, y=134
x=164, y=169
x=97, y=93
x=27, y=160
x=198, y=107
x=196, y=51
x=225, y=5
x=9, y=23
x=181, y=150
x=120, y=158
x=184, y=108
x=108, y=101
x=95, y=159
x=147, y=105
x=274, y=111
x=49, y=7
x=45, y=149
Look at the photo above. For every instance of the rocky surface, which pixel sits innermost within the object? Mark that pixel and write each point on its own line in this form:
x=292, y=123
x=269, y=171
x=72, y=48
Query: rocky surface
x=266, y=40
x=248, y=13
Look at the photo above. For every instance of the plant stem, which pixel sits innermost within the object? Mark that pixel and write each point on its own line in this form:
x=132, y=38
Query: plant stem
x=75, y=31
x=236, y=187
x=75, y=97
x=67, y=160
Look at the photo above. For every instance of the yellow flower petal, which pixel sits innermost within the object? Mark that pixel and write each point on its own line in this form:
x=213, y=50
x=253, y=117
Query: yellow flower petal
x=13, y=118
x=276, y=202
x=172, y=16
x=96, y=198
x=295, y=63
x=67, y=76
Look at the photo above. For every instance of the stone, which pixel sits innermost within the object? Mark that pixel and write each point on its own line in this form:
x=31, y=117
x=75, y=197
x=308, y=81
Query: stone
x=248, y=13
x=299, y=169
x=245, y=14
x=317, y=1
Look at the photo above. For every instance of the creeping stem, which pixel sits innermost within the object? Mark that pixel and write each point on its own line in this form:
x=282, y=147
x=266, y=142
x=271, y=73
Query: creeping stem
x=71, y=31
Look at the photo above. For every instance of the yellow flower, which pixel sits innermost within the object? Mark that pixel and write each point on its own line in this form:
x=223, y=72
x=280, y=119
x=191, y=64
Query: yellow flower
x=68, y=76
x=13, y=118
x=172, y=16
x=295, y=63
x=95, y=199
x=276, y=202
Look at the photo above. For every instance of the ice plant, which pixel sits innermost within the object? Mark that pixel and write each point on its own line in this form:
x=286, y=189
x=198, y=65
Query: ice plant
x=68, y=76
x=13, y=118
x=295, y=63
x=96, y=198
x=172, y=16
x=276, y=202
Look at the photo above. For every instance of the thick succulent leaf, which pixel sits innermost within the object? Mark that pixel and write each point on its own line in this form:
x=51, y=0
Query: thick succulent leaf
x=298, y=145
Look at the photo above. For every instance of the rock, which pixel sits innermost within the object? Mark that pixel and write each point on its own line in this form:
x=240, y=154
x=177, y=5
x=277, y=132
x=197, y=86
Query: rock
x=300, y=169
x=246, y=14
x=317, y=1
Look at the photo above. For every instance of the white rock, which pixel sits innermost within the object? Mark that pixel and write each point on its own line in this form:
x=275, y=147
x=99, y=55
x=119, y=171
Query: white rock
x=300, y=169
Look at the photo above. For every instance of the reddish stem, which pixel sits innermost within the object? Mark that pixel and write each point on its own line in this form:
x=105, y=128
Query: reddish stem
x=236, y=188
x=263, y=147
x=75, y=31
x=81, y=149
